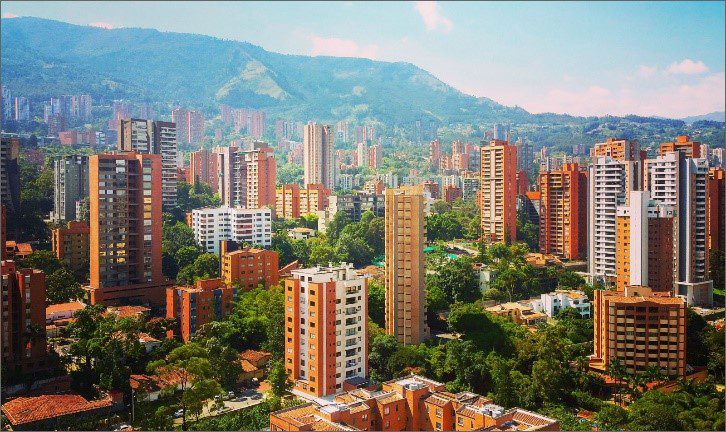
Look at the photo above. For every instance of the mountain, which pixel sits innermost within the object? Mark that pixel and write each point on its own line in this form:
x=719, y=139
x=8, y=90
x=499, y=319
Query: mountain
x=718, y=116
x=43, y=57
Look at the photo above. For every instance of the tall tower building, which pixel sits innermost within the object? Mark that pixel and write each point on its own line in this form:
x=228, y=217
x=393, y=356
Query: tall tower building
x=70, y=177
x=10, y=184
x=203, y=168
x=247, y=178
x=717, y=209
x=405, y=274
x=644, y=248
x=149, y=137
x=23, y=306
x=525, y=154
x=691, y=149
x=563, y=212
x=681, y=182
x=125, y=229
x=318, y=163
x=498, y=193
x=326, y=328
x=614, y=172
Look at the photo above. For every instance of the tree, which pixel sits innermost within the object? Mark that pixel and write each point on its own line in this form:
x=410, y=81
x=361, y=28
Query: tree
x=321, y=253
x=717, y=259
x=278, y=378
x=375, y=235
x=186, y=255
x=44, y=260
x=570, y=280
x=190, y=364
x=612, y=417
x=335, y=227
x=282, y=244
x=353, y=250
x=61, y=287
x=206, y=266
x=377, y=303
x=458, y=280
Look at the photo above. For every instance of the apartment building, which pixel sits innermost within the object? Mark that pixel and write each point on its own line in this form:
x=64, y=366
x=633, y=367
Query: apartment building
x=150, y=137
x=70, y=185
x=554, y=302
x=212, y=225
x=193, y=306
x=72, y=245
x=405, y=234
x=247, y=177
x=683, y=144
x=618, y=149
x=125, y=197
x=23, y=306
x=354, y=205
x=412, y=403
x=498, y=193
x=293, y=202
x=681, y=182
x=610, y=182
x=318, y=163
x=717, y=209
x=645, y=244
x=563, y=212
x=203, y=168
x=190, y=125
x=640, y=329
x=247, y=268
x=10, y=183
x=326, y=328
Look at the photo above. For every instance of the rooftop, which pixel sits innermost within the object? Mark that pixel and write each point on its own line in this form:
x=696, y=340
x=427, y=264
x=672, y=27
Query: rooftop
x=64, y=307
x=24, y=410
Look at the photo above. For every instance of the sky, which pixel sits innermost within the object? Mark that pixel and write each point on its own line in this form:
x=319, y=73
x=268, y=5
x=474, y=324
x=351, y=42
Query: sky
x=646, y=58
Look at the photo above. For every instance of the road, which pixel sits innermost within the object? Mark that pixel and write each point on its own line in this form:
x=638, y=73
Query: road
x=234, y=405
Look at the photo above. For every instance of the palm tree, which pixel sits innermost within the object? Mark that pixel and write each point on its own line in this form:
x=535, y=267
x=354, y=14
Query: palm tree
x=617, y=371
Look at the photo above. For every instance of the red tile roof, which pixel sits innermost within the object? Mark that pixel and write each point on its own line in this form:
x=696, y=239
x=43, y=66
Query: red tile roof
x=62, y=307
x=255, y=357
x=24, y=410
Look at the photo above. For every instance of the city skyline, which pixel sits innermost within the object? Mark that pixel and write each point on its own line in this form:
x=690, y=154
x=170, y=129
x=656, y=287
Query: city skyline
x=536, y=56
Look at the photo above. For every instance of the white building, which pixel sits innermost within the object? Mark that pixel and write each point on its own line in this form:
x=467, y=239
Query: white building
x=552, y=303
x=611, y=181
x=326, y=320
x=681, y=182
x=212, y=225
x=301, y=233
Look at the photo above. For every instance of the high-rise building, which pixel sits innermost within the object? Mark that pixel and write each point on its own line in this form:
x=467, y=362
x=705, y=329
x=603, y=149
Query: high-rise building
x=250, y=226
x=318, y=164
x=70, y=177
x=501, y=132
x=498, y=193
x=85, y=107
x=189, y=125
x=247, y=178
x=681, y=182
x=247, y=268
x=22, y=109
x=225, y=113
x=23, y=307
x=326, y=328
x=203, y=169
x=691, y=149
x=525, y=154
x=149, y=137
x=644, y=248
x=257, y=124
x=717, y=210
x=563, y=212
x=125, y=225
x=618, y=149
x=435, y=154
x=72, y=244
x=610, y=183
x=193, y=306
x=375, y=156
x=470, y=185
x=10, y=183
x=405, y=274
x=640, y=330
x=362, y=155
x=293, y=202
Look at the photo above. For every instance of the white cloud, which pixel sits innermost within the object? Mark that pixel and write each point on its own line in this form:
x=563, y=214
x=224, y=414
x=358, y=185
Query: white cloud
x=9, y=15
x=646, y=71
x=339, y=47
x=101, y=24
x=431, y=15
x=688, y=67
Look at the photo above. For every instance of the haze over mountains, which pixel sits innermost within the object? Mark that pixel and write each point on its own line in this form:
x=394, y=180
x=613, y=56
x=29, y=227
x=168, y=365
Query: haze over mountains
x=41, y=57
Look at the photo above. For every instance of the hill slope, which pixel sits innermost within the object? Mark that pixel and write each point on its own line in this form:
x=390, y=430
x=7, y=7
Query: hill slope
x=42, y=57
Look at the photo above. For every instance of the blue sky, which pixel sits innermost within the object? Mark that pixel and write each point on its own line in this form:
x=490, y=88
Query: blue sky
x=580, y=58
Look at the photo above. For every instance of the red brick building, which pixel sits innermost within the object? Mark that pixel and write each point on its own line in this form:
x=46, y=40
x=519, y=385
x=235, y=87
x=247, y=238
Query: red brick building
x=717, y=209
x=563, y=212
x=452, y=193
x=193, y=306
x=249, y=267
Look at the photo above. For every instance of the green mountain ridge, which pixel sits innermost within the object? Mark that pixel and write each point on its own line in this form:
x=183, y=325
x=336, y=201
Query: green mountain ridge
x=42, y=57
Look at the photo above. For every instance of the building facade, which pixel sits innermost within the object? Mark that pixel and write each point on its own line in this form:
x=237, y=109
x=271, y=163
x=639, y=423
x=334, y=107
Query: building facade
x=405, y=234
x=249, y=267
x=717, y=209
x=70, y=178
x=203, y=168
x=72, y=245
x=326, y=328
x=640, y=330
x=193, y=306
x=563, y=212
x=125, y=197
x=318, y=163
x=212, y=225
x=498, y=193
x=247, y=178
x=160, y=138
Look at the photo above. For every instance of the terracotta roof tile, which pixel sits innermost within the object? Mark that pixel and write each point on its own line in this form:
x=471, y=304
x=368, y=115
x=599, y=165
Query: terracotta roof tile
x=62, y=307
x=24, y=410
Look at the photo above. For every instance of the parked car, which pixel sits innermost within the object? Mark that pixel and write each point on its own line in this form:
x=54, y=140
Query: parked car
x=178, y=413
